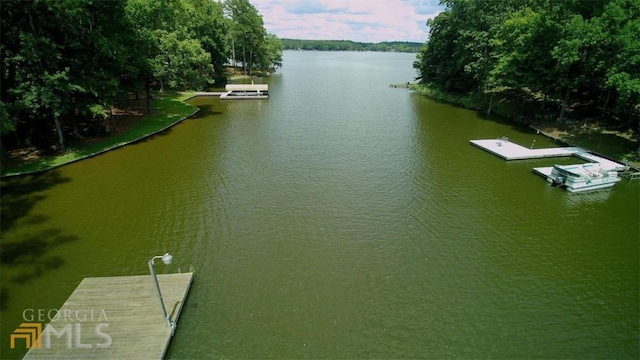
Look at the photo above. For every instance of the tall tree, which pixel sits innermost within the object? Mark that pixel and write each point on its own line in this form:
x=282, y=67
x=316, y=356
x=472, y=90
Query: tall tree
x=270, y=54
x=184, y=40
x=621, y=55
x=246, y=31
x=204, y=20
x=568, y=51
x=60, y=60
x=181, y=62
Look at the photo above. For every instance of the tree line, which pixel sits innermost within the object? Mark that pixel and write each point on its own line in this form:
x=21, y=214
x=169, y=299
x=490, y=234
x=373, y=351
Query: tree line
x=347, y=45
x=564, y=52
x=66, y=63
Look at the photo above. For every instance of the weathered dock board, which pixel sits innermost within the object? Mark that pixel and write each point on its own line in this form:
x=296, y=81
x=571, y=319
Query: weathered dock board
x=114, y=318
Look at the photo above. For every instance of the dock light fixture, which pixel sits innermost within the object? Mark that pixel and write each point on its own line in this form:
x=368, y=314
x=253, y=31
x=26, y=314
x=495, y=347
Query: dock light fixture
x=166, y=259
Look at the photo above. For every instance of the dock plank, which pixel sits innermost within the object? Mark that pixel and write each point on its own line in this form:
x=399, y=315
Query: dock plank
x=115, y=318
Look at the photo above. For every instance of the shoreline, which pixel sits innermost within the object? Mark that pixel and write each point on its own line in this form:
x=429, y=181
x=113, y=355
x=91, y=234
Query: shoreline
x=633, y=165
x=47, y=163
x=614, y=145
x=164, y=120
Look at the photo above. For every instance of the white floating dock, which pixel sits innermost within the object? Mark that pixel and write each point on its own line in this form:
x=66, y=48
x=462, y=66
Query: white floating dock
x=544, y=171
x=510, y=151
x=605, y=163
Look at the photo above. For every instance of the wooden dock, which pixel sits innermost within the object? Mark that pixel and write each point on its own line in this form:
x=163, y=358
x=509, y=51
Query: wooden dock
x=114, y=318
x=507, y=150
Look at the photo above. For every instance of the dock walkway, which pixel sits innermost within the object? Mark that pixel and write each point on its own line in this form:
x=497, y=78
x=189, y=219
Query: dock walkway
x=208, y=93
x=114, y=318
x=509, y=151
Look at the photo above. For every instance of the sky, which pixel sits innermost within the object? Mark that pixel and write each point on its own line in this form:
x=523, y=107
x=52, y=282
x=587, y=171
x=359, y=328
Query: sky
x=369, y=21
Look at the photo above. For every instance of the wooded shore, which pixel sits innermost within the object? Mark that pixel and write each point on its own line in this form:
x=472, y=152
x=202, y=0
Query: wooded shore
x=168, y=109
x=618, y=144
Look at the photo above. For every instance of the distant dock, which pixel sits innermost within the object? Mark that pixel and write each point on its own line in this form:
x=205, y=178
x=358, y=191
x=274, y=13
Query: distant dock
x=510, y=151
x=114, y=318
x=401, y=85
x=208, y=93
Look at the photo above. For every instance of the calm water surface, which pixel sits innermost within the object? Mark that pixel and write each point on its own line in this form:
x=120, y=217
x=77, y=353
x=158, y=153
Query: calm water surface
x=338, y=219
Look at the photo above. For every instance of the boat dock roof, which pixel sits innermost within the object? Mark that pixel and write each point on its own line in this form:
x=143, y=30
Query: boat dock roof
x=247, y=87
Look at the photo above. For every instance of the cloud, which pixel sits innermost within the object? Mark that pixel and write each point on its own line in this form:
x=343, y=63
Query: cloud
x=311, y=7
x=357, y=20
x=425, y=7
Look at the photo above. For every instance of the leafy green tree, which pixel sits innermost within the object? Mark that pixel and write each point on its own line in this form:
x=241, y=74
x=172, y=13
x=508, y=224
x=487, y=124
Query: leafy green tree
x=204, y=20
x=60, y=59
x=621, y=55
x=65, y=63
x=571, y=52
x=182, y=63
x=440, y=61
x=270, y=55
x=247, y=32
x=185, y=40
x=248, y=38
x=460, y=52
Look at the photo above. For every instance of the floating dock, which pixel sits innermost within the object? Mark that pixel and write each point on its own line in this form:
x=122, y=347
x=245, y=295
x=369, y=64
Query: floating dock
x=544, y=171
x=510, y=151
x=604, y=162
x=114, y=318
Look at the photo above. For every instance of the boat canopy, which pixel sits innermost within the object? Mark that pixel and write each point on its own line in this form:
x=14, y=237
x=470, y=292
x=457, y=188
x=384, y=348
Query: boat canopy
x=247, y=87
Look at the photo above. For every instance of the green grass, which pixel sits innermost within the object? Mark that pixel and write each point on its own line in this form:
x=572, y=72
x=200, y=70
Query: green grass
x=167, y=110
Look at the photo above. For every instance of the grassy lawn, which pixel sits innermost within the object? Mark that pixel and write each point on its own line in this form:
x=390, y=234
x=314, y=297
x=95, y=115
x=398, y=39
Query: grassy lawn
x=168, y=109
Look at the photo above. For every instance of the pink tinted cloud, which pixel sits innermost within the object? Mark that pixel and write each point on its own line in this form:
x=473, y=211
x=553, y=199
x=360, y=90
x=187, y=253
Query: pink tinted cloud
x=357, y=20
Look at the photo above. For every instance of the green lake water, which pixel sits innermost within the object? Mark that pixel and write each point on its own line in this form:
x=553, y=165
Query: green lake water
x=340, y=218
